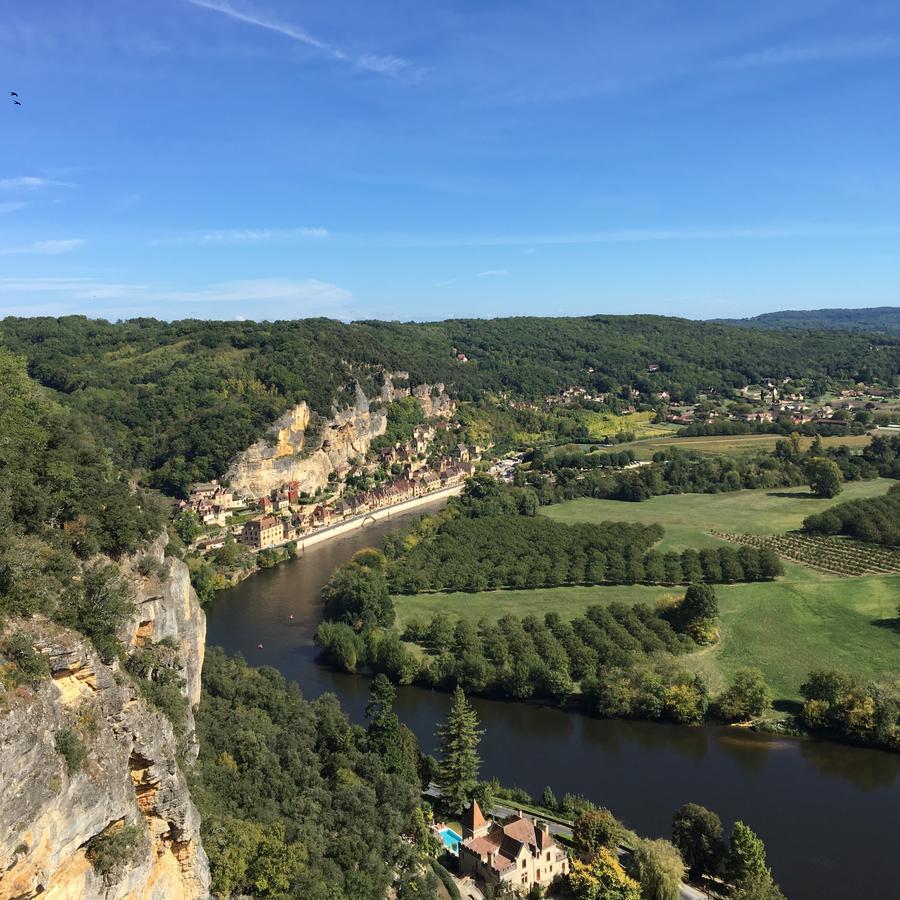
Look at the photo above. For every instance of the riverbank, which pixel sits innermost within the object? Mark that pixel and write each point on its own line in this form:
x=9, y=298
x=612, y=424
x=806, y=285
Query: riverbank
x=377, y=515
x=338, y=530
x=784, y=788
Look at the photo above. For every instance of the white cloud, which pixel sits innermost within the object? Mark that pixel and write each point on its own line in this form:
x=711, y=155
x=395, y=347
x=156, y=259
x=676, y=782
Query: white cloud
x=491, y=273
x=639, y=235
x=383, y=65
x=44, y=247
x=11, y=206
x=270, y=297
x=246, y=236
x=26, y=183
x=837, y=51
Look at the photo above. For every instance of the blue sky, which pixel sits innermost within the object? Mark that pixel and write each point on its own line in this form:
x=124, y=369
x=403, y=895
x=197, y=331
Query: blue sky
x=272, y=159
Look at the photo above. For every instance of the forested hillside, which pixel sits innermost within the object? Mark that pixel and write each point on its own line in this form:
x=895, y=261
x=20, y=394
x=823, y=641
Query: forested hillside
x=180, y=399
x=876, y=319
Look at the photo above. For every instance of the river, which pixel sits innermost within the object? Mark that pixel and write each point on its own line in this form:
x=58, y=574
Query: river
x=828, y=813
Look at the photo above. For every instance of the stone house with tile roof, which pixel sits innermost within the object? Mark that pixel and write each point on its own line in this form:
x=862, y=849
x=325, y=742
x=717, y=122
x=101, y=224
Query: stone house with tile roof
x=519, y=853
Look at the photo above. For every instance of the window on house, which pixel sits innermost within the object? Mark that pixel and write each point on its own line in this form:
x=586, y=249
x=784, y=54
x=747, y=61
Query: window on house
x=548, y=856
x=523, y=863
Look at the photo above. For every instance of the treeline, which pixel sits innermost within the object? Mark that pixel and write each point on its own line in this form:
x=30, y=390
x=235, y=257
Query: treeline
x=676, y=471
x=579, y=459
x=298, y=802
x=780, y=426
x=179, y=400
x=615, y=660
x=875, y=519
x=486, y=553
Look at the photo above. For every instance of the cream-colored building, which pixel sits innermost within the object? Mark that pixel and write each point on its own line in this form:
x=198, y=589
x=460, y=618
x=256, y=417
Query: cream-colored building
x=520, y=853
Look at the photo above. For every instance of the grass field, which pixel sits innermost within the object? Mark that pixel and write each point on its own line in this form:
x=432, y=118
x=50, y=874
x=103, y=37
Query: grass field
x=687, y=517
x=786, y=628
x=729, y=445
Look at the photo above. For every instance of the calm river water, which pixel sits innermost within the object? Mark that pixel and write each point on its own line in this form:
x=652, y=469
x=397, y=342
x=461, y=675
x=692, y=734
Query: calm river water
x=829, y=814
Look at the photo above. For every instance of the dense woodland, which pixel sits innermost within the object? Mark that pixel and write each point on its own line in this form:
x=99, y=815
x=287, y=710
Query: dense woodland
x=296, y=801
x=874, y=319
x=180, y=399
x=63, y=502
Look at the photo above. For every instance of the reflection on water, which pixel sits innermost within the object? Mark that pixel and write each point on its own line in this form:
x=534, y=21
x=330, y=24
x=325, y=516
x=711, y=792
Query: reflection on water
x=827, y=812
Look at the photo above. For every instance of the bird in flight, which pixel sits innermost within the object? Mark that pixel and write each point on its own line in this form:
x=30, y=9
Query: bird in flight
x=17, y=103
x=13, y=94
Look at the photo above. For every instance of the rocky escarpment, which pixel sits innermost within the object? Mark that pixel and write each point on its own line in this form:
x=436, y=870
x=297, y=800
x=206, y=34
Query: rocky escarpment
x=57, y=812
x=288, y=453
x=166, y=606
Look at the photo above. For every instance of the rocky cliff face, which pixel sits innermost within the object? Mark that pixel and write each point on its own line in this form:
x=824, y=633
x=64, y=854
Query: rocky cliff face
x=166, y=606
x=284, y=454
x=129, y=777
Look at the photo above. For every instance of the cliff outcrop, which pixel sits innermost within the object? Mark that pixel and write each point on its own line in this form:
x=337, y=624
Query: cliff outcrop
x=290, y=452
x=166, y=606
x=92, y=800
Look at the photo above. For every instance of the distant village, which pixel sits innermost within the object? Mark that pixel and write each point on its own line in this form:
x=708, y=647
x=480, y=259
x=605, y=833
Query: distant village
x=288, y=514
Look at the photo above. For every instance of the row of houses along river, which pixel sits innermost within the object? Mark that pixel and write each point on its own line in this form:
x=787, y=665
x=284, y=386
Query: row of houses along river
x=827, y=812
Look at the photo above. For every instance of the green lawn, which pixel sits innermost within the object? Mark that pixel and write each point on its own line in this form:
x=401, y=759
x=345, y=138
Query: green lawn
x=786, y=628
x=687, y=517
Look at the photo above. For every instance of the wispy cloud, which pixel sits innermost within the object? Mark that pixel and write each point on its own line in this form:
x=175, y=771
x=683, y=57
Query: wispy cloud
x=246, y=236
x=264, y=297
x=446, y=282
x=11, y=207
x=836, y=51
x=491, y=273
x=25, y=183
x=640, y=235
x=383, y=65
x=43, y=247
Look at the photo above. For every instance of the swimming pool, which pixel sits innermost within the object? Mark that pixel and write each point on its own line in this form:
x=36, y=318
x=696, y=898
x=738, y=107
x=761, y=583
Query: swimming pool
x=451, y=839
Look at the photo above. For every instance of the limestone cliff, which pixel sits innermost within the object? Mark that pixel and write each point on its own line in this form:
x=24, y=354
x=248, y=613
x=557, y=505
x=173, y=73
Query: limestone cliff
x=166, y=606
x=288, y=453
x=129, y=776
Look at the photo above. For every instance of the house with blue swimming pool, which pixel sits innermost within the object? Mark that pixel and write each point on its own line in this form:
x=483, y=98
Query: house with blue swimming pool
x=519, y=853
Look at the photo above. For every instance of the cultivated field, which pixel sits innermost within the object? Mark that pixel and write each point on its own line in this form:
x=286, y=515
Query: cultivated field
x=729, y=445
x=807, y=619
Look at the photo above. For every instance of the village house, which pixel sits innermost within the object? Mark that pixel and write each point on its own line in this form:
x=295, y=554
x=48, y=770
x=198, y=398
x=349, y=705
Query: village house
x=263, y=532
x=520, y=853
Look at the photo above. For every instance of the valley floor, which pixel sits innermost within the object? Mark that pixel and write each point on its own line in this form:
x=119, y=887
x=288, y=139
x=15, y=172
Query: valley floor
x=802, y=621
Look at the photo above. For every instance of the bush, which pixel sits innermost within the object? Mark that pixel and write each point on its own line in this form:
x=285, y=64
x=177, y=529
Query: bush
x=70, y=746
x=114, y=848
x=32, y=666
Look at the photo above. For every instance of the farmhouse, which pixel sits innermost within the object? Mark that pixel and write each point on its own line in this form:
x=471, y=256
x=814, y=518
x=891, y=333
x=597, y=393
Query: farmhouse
x=519, y=854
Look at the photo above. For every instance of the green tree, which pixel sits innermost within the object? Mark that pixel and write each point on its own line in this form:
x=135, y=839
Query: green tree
x=824, y=476
x=187, y=526
x=748, y=695
x=595, y=829
x=358, y=595
x=459, y=736
x=697, y=833
x=383, y=731
x=746, y=856
x=757, y=887
x=660, y=868
x=548, y=798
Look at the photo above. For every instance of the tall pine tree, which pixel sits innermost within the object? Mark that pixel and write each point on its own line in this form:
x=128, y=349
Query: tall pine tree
x=383, y=732
x=459, y=760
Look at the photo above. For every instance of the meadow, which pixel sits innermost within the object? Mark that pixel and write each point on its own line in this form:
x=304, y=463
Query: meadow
x=802, y=621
